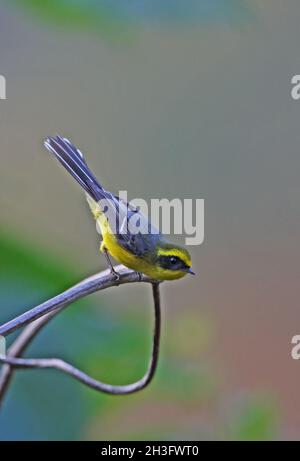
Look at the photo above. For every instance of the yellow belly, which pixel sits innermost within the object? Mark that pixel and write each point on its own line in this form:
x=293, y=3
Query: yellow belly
x=123, y=256
x=133, y=262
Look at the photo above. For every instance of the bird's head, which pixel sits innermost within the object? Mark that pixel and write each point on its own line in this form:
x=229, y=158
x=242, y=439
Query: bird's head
x=173, y=261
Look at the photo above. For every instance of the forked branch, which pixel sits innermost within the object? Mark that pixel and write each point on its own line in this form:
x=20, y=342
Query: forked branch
x=39, y=316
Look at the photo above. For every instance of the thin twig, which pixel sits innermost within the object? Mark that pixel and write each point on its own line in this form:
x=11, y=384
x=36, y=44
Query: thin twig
x=52, y=307
x=94, y=283
x=18, y=348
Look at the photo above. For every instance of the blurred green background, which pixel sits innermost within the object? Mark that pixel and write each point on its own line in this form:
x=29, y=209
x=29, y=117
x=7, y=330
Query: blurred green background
x=167, y=99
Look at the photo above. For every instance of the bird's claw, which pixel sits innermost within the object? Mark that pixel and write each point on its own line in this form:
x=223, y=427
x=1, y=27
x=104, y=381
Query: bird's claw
x=140, y=276
x=115, y=274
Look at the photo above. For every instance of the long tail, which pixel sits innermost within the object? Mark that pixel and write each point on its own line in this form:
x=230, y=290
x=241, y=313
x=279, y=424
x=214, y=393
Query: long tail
x=74, y=162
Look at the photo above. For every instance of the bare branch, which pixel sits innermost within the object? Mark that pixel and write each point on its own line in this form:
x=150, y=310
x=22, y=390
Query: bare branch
x=52, y=307
x=94, y=283
x=18, y=348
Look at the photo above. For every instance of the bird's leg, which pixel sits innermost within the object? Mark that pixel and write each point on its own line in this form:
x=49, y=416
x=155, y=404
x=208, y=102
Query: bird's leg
x=112, y=269
x=140, y=275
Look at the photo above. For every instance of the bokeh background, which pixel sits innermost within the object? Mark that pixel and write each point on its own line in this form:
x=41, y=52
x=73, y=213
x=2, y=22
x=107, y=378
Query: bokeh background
x=167, y=99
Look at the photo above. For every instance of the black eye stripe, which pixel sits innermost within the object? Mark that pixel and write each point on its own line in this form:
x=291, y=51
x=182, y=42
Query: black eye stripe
x=171, y=262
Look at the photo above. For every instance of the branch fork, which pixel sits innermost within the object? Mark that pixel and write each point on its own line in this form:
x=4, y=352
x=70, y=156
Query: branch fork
x=39, y=316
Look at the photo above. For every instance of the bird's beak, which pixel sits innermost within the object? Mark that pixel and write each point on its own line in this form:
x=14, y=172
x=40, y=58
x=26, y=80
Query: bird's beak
x=189, y=270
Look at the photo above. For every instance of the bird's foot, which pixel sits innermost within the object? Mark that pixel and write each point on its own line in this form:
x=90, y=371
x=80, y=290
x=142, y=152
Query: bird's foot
x=115, y=274
x=140, y=276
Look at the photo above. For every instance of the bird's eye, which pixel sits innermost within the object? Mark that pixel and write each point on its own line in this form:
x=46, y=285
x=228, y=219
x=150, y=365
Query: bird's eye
x=173, y=259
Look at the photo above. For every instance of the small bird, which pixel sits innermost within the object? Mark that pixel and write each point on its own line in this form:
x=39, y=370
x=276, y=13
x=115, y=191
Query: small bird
x=147, y=251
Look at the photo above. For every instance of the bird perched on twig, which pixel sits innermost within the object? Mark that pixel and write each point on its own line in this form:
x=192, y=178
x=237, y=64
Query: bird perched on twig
x=146, y=251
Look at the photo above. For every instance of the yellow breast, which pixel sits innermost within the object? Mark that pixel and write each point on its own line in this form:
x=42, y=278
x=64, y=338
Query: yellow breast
x=120, y=254
x=134, y=262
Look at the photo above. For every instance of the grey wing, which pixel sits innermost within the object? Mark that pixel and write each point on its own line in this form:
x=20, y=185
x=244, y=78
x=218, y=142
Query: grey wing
x=139, y=244
x=140, y=237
